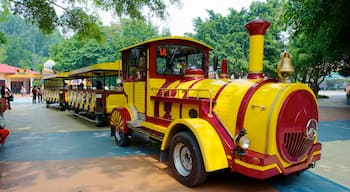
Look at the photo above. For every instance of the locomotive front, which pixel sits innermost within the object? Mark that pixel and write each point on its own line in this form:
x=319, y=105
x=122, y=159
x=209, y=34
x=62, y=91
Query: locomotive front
x=266, y=126
x=274, y=123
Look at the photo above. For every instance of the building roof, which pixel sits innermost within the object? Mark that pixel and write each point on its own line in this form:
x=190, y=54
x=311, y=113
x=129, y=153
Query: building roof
x=4, y=68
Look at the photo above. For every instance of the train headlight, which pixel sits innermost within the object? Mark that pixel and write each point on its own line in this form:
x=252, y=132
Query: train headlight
x=241, y=140
x=244, y=142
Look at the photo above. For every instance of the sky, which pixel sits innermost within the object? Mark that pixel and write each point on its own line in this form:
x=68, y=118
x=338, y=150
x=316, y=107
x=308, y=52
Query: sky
x=180, y=19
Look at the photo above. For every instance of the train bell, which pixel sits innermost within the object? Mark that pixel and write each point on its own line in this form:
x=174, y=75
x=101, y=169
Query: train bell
x=285, y=67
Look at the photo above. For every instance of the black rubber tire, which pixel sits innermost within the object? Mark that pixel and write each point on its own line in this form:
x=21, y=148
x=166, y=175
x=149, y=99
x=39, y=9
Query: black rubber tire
x=184, y=148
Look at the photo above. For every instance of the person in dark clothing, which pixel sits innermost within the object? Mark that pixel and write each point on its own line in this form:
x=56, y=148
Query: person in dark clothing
x=35, y=93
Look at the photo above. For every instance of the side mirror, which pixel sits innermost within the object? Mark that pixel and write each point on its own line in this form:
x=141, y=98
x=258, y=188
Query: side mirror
x=216, y=62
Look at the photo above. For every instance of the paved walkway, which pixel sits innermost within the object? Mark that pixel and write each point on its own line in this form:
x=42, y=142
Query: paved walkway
x=51, y=150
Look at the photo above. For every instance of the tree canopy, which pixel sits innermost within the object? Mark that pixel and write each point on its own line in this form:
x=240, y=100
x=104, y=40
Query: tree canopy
x=25, y=45
x=230, y=39
x=319, y=38
x=72, y=54
x=81, y=16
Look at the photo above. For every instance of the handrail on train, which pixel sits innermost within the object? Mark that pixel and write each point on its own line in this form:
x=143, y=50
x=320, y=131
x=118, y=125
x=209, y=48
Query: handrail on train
x=177, y=91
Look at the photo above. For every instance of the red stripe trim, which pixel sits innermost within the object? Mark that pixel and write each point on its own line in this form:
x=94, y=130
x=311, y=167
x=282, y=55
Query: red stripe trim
x=226, y=139
x=219, y=92
x=244, y=104
x=195, y=82
x=176, y=100
x=165, y=85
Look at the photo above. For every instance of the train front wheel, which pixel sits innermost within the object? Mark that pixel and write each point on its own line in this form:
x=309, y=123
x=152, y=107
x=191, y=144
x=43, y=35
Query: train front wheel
x=118, y=124
x=186, y=160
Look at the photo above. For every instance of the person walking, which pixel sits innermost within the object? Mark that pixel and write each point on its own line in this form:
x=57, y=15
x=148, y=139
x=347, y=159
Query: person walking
x=7, y=94
x=3, y=131
x=35, y=93
x=40, y=98
x=23, y=91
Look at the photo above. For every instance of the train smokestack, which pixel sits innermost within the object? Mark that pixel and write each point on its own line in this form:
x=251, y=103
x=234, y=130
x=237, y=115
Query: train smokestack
x=256, y=29
x=223, y=68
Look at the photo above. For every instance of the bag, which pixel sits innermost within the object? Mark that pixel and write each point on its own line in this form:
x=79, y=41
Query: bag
x=11, y=98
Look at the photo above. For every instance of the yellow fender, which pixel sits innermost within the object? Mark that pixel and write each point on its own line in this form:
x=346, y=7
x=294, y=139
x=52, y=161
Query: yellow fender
x=212, y=150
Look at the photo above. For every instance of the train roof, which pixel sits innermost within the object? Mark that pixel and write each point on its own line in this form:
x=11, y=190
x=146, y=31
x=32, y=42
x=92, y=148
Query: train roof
x=167, y=38
x=100, y=69
x=63, y=75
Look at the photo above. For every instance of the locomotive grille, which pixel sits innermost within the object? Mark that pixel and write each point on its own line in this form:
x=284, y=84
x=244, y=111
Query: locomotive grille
x=297, y=126
x=296, y=145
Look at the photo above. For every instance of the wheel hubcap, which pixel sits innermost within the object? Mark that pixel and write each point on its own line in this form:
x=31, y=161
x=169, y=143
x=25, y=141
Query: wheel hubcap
x=182, y=159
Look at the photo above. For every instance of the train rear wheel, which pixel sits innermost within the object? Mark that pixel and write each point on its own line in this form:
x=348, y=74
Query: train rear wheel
x=186, y=160
x=118, y=124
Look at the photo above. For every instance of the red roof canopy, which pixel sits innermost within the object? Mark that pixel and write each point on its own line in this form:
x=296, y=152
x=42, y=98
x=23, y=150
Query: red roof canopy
x=4, y=68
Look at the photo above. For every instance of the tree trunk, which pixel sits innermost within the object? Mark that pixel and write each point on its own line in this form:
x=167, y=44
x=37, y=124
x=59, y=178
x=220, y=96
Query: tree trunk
x=315, y=88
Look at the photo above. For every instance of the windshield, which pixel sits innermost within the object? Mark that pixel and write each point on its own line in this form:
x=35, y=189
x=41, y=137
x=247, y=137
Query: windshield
x=174, y=59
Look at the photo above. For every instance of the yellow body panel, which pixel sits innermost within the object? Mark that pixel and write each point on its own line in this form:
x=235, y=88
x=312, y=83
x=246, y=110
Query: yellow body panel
x=114, y=100
x=213, y=153
x=209, y=88
x=227, y=104
x=136, y=94
x=261, y=107
x=129, y=90
x=139, y=97
x=155, y=127
x=186, y=110
x=154, y=84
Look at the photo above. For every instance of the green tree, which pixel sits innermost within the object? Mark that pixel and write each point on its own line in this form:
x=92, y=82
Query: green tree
x=2, y=38
x=229, y=37
x=25, y=46
x=72, y=54
x=81, y=16
x=319, y=37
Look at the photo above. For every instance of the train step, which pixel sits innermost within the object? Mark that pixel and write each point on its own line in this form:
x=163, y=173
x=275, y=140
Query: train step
x=134, y=124
x=84, y=117
x=137, y=127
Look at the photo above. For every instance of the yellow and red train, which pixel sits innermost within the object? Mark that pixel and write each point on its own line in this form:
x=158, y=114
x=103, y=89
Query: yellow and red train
x=257, y=126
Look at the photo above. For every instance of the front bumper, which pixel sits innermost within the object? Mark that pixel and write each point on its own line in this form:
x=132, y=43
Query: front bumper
x=262, y=166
